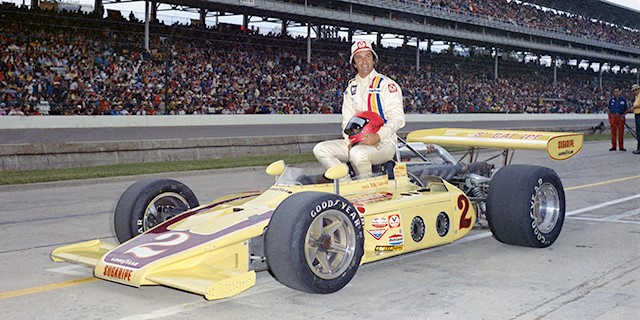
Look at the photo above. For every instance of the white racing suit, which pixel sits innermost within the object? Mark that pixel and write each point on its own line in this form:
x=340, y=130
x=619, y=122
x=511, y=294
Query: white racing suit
x=376, y=93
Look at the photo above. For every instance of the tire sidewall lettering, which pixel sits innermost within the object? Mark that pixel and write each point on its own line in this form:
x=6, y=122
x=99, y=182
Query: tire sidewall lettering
x=534, y=226
x=337, y=204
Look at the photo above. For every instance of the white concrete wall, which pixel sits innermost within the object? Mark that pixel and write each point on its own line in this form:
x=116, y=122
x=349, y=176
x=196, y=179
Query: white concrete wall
x=48, y=122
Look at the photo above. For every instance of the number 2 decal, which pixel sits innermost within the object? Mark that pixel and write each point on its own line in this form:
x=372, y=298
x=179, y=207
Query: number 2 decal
x=463, y=204
x=164, y=240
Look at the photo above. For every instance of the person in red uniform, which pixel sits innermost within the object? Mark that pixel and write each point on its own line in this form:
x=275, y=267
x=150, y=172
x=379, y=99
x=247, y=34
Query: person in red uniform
x=368, y=91
x=617, y=110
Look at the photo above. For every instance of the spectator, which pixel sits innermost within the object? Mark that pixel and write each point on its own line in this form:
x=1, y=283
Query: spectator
x=617, y=110
x=635, y=89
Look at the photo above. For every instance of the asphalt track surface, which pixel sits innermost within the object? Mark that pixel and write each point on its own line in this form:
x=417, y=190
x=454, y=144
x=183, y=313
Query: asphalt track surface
x=591, y=272
x=43, y=136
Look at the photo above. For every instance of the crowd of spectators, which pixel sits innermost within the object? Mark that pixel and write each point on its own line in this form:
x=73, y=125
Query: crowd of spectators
x=532, y=16
x=75, y=63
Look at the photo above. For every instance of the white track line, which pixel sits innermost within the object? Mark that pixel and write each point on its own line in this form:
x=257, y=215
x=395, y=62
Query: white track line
x=84, y=271
x=602, y=205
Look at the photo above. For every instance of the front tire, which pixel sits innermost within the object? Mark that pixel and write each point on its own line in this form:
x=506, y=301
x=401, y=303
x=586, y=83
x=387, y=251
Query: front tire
x=526, y=206
x=148, y=203
x=314, y=242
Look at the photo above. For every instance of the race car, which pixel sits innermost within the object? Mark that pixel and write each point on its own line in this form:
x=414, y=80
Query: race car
x=313, y=230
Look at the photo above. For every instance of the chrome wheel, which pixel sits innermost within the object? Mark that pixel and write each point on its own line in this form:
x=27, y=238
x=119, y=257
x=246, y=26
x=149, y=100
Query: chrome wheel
x=546, y=207
x=330, y=244
x=162, y=208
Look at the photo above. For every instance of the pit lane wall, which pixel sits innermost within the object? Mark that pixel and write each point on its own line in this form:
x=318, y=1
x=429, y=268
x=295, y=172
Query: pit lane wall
x=15, y=157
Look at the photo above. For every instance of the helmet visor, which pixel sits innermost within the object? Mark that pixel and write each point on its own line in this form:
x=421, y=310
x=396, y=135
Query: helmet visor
x=355, y=126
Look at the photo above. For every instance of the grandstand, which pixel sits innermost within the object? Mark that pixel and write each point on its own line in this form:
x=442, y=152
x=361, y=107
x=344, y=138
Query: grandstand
x=106, y=62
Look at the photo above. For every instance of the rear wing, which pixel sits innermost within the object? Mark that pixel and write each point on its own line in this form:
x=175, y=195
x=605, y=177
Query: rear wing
x=558, y=145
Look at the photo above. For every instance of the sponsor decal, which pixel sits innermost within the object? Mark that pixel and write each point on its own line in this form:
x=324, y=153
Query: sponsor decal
x=394, y=221
x=117, y=273
x=374, y=184
x=124, y=262
x=361, y=209
x=506, y=135
x=281, y=190
x=564, y=147
x=377, y=233
x=379, y=222
x=565, y=153
x=392, y=88
x=371, y=198
x=396, y=239
x=566, y=144
x=354, y=90
x=389, y=248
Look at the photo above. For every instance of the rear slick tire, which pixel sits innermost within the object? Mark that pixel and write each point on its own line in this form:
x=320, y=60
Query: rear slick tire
x=526, y=206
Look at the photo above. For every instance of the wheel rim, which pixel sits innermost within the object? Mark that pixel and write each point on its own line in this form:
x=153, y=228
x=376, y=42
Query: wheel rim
x=330, y=244
x=162, y=208
x=546, y=207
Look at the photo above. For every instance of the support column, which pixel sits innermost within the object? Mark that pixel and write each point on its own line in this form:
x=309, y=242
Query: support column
x=600, y=78
x=554, y=62
x=154, y=11
x=378, y=40
x=285, y=24
x=495, y=65
x=98, y=7
x=245, y=22
x=146, y=25
x=417, y=54
x=429, y=43
x=308, y=43
x=203, y=17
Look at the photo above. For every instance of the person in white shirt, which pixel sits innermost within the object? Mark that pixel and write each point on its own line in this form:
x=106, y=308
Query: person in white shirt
x=368, y=91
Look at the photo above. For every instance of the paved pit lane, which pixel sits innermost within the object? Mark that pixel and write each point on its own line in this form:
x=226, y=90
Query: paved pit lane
x=591, y=272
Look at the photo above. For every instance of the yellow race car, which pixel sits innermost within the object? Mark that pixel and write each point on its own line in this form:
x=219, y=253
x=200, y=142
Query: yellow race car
x=313, y=231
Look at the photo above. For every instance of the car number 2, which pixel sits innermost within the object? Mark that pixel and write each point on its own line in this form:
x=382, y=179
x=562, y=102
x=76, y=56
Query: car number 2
x=164, y=240
x=464, y=205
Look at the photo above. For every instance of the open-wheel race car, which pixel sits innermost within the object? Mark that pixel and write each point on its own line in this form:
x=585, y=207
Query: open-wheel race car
x=313, y=230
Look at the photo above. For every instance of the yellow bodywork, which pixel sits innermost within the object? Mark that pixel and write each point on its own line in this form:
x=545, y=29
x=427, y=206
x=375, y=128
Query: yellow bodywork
x=219, y=268
x=558, y=145
x=206, y=250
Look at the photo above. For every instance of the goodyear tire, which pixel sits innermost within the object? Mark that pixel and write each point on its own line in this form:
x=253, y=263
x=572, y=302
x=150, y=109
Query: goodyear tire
x=149, y=202
x=314, y=242
x=526, y=206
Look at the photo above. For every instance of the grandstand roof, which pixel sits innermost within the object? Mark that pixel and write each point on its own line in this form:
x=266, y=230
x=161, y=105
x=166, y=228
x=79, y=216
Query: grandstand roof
x=443, y=25
x=601, y=10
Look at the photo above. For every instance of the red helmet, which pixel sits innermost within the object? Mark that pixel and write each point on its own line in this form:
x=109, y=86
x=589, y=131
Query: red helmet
x=362, y=122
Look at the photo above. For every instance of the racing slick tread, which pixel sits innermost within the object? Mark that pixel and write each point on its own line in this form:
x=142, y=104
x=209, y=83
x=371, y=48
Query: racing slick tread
x=509, y=205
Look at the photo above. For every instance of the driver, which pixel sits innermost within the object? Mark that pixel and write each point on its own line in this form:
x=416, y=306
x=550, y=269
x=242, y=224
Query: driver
x=368, y=91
